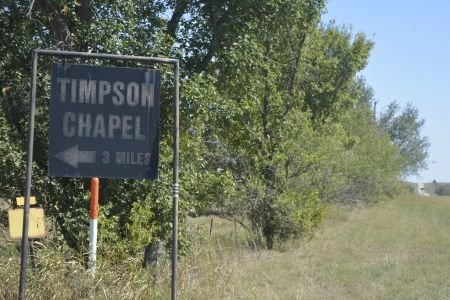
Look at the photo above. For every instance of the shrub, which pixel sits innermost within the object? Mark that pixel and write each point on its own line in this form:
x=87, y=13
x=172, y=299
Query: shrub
x=443, y=190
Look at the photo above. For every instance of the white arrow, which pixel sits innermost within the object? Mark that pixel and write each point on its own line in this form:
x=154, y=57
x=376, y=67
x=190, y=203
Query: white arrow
x=73, y=156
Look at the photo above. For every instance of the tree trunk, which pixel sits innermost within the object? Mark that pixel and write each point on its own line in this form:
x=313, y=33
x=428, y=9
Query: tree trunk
x=151, y=252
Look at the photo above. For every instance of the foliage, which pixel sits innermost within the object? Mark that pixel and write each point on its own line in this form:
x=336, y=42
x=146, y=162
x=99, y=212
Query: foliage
x=68, y=25
x=335, y=56
x=442, y=189
x=404, y=126
x=361, y=91
x=297, y=215
x=374, y=162
x=275, y=123
x=11, y=162
x=289, y=101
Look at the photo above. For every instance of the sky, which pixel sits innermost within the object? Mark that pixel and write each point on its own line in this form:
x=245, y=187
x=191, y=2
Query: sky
x=410, y=62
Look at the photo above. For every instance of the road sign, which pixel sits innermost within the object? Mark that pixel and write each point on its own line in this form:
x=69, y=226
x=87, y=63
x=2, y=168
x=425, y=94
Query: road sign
x=36, y=228
x=21, y=200
x=104, y=122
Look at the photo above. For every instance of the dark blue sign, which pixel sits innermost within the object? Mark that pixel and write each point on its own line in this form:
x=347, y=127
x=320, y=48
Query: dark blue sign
x=104, y=122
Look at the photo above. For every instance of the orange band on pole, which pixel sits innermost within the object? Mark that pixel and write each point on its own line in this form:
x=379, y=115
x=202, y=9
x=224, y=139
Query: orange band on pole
x=94, y=199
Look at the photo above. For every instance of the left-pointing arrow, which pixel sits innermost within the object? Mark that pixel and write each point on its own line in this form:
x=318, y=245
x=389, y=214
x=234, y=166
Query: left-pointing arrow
x=73, y=156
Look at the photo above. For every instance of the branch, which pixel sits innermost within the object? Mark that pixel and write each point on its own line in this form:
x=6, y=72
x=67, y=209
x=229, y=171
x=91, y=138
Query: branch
x=180, y=9
x=30, y=8
x=227, y=216
x=217, y=38
x=58, y=23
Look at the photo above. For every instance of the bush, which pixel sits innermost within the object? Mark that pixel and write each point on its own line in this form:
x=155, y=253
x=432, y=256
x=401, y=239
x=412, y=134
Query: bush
x=290, y=215
x=443, y=190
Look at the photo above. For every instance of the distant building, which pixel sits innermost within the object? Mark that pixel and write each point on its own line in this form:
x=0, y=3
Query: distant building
x=421, y=189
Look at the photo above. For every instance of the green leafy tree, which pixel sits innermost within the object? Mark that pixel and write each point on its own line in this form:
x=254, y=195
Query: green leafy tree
x=100, y=26
x=332, y=59
x=361, y=91
x=275, y=125
x=404, y=127
x=267, y=83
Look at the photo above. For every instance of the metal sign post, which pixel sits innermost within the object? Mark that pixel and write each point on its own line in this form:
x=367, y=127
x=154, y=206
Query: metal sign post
x=176, y=149
x=26, y=214
x=77, y=127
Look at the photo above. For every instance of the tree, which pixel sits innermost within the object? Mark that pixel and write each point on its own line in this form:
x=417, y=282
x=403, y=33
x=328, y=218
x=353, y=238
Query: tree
x=335, y=56
x=100, y=26
x=404, y=127
x=361, y=91
x=270, y=104
x=267, y=83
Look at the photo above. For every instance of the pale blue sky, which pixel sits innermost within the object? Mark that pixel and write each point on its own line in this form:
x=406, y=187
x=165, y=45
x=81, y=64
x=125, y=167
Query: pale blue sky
x=409, y=63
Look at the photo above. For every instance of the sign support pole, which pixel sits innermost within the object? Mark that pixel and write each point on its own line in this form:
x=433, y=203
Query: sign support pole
x=24, y=248
x=93, y=225
x=176, y=149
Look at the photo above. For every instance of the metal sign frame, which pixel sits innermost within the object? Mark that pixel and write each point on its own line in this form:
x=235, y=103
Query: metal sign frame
x=176, y=136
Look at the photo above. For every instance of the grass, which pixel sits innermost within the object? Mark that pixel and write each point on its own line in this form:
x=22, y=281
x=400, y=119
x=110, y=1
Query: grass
x=397, y=250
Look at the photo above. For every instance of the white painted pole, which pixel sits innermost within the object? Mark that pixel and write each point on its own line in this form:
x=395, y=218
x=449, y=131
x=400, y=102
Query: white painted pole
x=93, y=225
x=92, y=245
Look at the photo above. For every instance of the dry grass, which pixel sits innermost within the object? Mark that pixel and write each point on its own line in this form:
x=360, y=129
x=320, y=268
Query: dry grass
x=397, y=250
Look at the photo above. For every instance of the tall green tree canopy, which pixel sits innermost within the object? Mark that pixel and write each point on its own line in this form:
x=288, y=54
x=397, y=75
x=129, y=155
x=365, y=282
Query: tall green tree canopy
x=404, y=127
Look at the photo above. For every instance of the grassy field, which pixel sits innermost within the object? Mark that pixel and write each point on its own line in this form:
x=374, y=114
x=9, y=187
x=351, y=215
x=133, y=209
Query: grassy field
x=395, y=250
